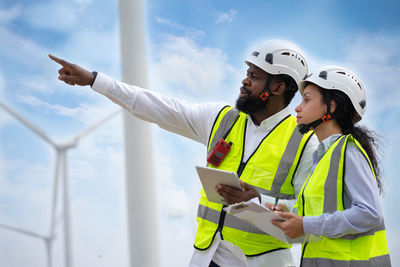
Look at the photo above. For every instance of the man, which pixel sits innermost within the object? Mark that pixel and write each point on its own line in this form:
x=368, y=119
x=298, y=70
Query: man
x=270, y=156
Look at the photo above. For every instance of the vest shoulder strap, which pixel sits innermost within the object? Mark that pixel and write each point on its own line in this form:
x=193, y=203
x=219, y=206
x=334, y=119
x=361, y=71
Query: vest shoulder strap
x=224, y=127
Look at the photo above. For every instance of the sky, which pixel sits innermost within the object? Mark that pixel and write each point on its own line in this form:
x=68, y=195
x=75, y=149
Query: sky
x=196, y=51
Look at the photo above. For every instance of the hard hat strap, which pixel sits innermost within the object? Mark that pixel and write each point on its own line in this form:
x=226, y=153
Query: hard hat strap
x=304, y=128
x=266, y=93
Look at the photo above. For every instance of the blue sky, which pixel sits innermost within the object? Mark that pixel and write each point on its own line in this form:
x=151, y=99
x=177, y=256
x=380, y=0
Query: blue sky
x=202, y=44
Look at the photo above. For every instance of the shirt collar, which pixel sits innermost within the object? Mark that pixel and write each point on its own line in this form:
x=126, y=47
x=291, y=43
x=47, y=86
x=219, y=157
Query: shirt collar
x=270, y=122
x=324, y=146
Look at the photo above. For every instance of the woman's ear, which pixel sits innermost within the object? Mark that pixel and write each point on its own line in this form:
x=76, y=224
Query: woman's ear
x=332, y=106
x=278, y=88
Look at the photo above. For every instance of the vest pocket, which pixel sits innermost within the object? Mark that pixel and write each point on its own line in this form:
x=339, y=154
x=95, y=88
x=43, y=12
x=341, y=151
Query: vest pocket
x=329, y=248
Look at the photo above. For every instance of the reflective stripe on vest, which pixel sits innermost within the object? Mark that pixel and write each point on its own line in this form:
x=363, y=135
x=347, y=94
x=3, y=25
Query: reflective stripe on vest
x=380, y=261
x=362, y=249
x=226, y=123
x=230, y=220
x=284, y=165
x=288, y=145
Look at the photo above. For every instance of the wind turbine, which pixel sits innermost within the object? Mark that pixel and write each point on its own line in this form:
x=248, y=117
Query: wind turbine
x=60, y=170
x=140, y=182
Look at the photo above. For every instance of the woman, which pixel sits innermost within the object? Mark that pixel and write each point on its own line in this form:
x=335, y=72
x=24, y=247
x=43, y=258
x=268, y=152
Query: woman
x=340, y=199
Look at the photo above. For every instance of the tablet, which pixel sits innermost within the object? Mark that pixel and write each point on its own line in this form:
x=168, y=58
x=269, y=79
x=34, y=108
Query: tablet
x=210, y=178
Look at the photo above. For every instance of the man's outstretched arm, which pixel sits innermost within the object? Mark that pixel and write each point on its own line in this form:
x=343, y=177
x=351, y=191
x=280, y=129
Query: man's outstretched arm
x=73, y=74
x=187, y=119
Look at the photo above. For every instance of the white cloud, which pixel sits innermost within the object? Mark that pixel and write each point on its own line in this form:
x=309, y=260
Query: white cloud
x=188, y=31
x=54, y=16
x=83, y=112
x=178, y=205
x=87, y=47
x=40, y=73
x=182, y=66
x=57, y=109
x=8, y=15
x=98, y=221
x=19, y=250
x=31, y=88
x=83, y=3
x=95, y=167
x=25, y=190
x=2, y=85
x=375, y=58
x=19, y=49
x=226, y=16
x=174, y=198
x=37, y=84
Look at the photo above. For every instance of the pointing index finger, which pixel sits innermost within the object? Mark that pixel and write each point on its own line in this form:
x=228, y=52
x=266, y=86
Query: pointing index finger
x=59, y=60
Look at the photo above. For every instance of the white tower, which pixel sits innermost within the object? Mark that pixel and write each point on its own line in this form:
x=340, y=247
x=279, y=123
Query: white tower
x=142, y=216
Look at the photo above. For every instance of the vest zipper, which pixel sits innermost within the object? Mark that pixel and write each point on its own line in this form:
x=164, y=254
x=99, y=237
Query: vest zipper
x=221, y=221
x=241, y=167
x=302, y=254
x=223, y=212
x=303, y=212
x=242, y=164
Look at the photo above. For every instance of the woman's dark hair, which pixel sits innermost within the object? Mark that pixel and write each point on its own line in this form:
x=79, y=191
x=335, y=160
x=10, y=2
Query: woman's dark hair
x=344, y=114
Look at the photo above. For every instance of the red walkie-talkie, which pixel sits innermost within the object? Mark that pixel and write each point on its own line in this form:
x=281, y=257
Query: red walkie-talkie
x=219, y=152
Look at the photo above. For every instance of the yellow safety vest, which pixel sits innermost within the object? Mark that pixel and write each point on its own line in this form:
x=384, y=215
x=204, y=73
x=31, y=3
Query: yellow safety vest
x=269, y=169
x=323, y=193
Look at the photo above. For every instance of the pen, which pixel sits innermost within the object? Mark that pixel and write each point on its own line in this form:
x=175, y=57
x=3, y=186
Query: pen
x=276, y=202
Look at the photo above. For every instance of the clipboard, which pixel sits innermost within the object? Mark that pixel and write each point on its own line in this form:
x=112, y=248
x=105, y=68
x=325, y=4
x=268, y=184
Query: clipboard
x=261, y=217
x=210, y=178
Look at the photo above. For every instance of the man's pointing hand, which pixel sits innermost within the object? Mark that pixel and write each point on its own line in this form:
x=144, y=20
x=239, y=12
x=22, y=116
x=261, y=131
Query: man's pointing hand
x=73, y=74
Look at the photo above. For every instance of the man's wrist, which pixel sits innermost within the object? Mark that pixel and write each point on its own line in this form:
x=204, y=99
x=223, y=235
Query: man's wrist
x=94, y=77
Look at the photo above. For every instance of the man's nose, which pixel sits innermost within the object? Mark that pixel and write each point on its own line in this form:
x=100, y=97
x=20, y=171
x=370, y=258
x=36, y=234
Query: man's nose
x=246, y=81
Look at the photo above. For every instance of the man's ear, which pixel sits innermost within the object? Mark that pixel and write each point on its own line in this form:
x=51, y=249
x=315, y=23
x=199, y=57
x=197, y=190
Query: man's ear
x=332, y=106
x=278, y=88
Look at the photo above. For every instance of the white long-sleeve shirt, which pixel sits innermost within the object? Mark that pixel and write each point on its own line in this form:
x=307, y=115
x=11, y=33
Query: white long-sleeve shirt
x=361, y=198
x=195, y=121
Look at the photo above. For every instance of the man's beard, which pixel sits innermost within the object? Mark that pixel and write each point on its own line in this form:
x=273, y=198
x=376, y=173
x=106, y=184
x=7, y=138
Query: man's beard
x=251, y=103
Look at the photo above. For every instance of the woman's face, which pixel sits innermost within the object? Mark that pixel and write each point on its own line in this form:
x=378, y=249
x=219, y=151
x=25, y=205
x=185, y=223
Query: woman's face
x=311, y=107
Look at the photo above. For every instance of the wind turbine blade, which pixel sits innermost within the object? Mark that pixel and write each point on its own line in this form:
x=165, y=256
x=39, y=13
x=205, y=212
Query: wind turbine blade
x=28, y=124
x=95, y=126
x=22, y=231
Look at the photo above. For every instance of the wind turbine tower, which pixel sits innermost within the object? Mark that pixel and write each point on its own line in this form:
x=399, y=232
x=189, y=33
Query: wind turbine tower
x=142, y=215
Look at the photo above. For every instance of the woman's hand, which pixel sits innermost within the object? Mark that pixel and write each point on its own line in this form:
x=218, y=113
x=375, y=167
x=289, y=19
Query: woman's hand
x=292, y=226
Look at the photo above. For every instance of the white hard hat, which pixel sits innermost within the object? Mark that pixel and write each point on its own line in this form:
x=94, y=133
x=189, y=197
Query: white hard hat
x=341, y=79
x=280, y=57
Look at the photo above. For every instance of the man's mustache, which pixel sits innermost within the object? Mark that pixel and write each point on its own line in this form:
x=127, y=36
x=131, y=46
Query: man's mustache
x=246, y=90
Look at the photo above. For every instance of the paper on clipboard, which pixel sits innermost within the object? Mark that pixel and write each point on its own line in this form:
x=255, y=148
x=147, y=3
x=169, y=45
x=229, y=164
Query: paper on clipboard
x=261, y=217
x=210, y=178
